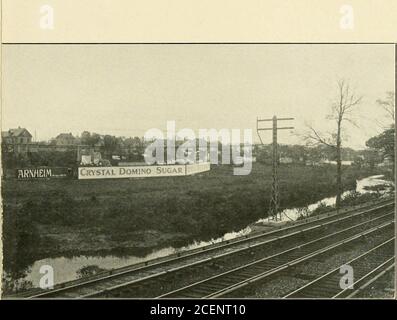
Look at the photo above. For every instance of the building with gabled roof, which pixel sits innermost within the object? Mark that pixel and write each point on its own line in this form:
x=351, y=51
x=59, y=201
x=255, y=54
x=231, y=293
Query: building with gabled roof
x=65, y=139
x=16, y=136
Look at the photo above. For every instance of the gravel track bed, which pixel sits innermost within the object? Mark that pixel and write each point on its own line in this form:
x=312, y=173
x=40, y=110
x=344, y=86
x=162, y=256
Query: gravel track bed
x=187, y=276
x=383, y=288
x=294, y=278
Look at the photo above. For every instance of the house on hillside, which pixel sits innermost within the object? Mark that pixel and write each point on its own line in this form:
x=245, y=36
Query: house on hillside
x=16, y=136
x=65, y=139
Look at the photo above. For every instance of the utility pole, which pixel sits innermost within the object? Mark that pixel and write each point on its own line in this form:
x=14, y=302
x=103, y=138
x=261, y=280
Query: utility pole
x=275, y=200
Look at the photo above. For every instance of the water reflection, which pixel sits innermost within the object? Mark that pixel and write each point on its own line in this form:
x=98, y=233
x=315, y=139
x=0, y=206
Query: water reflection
x=70, y=268
x=361, y=187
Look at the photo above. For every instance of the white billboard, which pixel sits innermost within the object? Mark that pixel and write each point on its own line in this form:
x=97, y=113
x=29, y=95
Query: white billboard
x=141, y=171
x=197, y=167
x=131, y=172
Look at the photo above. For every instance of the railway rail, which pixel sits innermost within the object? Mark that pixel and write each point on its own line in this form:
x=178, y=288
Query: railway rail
x=138, y=274
x=240, y=277
x=377, y=279
x=366, y=267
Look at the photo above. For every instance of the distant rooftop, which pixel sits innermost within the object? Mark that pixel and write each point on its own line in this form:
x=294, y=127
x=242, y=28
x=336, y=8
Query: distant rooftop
x=64, y=135
x=14, y=132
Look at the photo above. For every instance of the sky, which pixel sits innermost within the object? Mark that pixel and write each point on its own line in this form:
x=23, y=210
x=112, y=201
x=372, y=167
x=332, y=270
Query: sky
x=125, y=90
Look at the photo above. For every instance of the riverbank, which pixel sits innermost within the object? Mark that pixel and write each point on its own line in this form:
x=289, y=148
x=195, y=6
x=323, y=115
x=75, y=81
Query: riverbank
x=135, y=217
x=368, y=189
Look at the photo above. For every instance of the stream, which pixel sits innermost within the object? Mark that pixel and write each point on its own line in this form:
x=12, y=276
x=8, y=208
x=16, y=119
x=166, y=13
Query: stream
x=66, y=269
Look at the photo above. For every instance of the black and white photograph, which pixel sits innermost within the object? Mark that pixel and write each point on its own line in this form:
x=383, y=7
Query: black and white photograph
x=251, y=170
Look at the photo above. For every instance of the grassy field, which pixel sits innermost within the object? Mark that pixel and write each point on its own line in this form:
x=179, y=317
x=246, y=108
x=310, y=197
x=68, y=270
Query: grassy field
x=72, y=217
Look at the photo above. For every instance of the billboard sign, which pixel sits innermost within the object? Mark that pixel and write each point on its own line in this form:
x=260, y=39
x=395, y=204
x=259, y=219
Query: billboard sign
x=141, y=171
x=197, y=168
x=131, y=172
x=34, y=173
x=43, y=173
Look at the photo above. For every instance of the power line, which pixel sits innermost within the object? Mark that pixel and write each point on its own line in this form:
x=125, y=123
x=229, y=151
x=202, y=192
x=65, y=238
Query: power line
x=275, y=200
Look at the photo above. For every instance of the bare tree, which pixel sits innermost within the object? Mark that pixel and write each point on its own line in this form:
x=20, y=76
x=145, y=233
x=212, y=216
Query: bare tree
x=388, y=104
x=342, y=110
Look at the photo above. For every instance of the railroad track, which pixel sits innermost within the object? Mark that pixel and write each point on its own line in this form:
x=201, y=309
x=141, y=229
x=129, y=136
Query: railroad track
x=104, y=283
x=240, y=277
x=365, y=267
x=379, y=278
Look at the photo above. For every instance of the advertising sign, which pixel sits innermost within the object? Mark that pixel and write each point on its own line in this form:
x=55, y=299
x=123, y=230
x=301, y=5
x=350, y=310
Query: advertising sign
x=43, y=173
x=34, y=173
x=197, y=168
x=131, y=172
x=141, y=171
